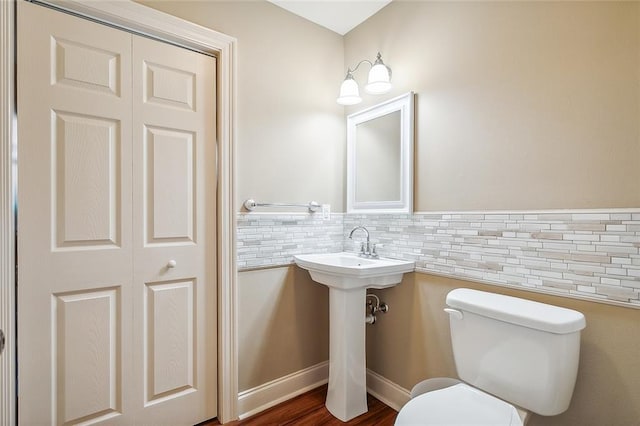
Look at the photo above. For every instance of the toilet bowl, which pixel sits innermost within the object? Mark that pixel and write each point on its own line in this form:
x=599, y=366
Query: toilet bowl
x=460, y=405
x=513, y=356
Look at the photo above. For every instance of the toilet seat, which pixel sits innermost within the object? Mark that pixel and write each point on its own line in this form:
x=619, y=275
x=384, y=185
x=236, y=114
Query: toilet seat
x=458, y=405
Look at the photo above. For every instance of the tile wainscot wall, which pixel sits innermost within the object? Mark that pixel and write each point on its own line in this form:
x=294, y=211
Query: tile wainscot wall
x=591, y=254
x=268, y=239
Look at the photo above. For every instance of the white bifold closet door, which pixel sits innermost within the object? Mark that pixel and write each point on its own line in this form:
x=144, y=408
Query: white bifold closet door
x=116, y=226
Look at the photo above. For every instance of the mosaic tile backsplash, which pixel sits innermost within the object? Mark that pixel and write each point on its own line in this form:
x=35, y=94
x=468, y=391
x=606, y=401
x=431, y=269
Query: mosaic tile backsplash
x=267, y=239
x=593, y=254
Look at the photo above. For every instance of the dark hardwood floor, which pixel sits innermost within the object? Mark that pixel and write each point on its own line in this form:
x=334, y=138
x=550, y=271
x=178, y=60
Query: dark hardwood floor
x=308, y=410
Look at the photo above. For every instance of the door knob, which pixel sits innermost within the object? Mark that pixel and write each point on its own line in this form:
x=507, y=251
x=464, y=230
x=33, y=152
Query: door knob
x=172, y=264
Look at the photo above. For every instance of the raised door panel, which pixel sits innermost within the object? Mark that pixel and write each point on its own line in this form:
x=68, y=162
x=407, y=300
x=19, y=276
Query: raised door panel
x=170, y=340
x=169, y=86
x=169, y=185
x=86, y=338
x=85, y=66
x=85, y=168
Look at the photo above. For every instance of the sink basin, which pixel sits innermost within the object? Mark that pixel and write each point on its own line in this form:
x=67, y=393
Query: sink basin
x=348, y=276
x=349, y=271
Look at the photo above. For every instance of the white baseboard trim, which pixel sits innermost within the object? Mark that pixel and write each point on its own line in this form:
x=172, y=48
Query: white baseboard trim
x=265, y=396
x=387, y=391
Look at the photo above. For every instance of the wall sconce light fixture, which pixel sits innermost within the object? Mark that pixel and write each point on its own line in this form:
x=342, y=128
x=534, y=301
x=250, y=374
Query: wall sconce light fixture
x=379, y=82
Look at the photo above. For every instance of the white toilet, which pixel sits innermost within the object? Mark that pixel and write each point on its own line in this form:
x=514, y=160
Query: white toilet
x=514, y=357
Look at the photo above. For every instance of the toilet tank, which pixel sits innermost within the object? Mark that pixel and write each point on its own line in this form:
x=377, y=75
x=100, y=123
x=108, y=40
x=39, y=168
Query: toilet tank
x=521, y=351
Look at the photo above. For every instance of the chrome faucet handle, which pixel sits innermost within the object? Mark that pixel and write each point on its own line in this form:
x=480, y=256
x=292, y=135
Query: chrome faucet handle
x=373, y=253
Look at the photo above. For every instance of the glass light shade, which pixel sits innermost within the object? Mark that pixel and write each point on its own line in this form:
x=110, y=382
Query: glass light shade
x=379, y=79
x=349, y=92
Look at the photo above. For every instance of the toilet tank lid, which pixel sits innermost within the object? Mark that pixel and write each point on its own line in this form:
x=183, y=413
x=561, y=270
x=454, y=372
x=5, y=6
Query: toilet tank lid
x=526, y=313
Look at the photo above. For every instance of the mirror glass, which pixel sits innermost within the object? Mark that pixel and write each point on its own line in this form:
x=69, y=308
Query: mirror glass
x=380, y=158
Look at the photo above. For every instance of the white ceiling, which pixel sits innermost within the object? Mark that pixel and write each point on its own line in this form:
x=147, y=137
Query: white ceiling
x=340, y=16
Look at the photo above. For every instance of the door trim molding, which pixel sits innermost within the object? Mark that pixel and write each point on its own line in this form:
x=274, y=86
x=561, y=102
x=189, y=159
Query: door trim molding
x=140, y=19
x=7, y=214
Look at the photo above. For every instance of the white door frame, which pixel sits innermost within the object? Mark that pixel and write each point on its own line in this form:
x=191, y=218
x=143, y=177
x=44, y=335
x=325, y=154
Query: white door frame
x=7, y=217
x=143, y=20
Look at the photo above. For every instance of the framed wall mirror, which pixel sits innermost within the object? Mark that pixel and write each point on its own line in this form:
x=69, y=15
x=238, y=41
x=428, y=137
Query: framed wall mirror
x=380, y=157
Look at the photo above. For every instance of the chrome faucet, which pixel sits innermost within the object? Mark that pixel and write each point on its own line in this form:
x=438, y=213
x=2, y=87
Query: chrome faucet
x=366, y=249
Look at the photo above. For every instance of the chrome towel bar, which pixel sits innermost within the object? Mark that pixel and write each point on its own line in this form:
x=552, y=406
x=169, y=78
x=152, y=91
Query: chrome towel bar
x=250, y=204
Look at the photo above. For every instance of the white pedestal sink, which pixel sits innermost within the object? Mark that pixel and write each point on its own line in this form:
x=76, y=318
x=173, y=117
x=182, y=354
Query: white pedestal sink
x=348, y=276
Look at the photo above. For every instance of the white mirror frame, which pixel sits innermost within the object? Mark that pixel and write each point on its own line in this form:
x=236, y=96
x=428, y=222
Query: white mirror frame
x=404, y=104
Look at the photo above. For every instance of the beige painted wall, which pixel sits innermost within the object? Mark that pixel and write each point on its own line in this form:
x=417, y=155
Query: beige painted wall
x=520, y=105
x=283, y=324
x=291, y=140
x=412, y=343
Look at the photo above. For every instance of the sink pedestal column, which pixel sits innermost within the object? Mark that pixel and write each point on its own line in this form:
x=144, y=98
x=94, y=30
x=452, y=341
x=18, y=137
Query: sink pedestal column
x=347, y=394
x=348, y=276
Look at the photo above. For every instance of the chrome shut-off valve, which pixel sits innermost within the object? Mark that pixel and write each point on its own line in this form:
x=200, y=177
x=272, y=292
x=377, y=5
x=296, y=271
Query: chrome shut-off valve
x=374, y=307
